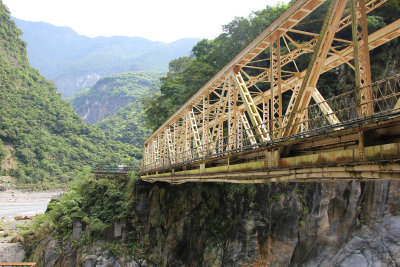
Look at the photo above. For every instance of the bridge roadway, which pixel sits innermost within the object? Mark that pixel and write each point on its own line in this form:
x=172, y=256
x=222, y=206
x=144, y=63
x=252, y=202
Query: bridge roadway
x=262, y=118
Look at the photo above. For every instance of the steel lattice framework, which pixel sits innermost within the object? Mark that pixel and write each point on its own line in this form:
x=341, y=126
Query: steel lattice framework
x=243, y=104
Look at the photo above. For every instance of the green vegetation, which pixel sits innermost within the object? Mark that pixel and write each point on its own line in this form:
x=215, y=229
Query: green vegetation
x=2, y=152
x=127, y=125
x=82, y=200
x=50, y=141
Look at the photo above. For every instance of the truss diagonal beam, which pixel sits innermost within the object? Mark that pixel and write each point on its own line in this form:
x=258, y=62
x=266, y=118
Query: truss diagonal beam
x=251, y=108
x=326, y=109
x=313, y=72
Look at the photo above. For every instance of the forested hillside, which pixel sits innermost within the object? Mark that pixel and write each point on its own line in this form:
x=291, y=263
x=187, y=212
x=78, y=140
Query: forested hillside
x=75, y=62
x=127, y=125
x=187, y=75
x=49, y=141
x=113, y=92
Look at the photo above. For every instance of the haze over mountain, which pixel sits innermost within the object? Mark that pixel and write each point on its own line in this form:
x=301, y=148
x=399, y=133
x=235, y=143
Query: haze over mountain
x=75, y=62
x=113, y=92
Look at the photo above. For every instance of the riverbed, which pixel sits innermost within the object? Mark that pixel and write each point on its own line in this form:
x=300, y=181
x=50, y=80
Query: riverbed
x=16, y=202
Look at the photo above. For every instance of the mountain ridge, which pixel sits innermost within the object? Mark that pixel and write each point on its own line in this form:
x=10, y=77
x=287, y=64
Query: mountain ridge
x=74, y=62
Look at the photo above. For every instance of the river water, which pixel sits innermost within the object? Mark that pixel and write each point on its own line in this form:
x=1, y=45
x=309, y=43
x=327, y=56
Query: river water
x=14, y=202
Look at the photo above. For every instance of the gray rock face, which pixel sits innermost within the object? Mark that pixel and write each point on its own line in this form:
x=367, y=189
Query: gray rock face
x=11, y=252
x=306, y=224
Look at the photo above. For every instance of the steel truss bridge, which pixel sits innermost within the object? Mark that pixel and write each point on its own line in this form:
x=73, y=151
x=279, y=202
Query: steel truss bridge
x=262, y=118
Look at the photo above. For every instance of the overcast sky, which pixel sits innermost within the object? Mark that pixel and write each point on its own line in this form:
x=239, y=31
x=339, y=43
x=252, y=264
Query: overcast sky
x=157, y=20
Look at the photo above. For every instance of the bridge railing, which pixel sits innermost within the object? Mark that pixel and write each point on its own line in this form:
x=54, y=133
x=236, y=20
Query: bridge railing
x=100, y=169
x=345, y=110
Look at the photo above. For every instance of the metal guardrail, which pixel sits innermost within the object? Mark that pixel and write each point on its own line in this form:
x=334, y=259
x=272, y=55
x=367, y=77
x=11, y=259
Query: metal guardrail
x=122, y=169
x=345, y=113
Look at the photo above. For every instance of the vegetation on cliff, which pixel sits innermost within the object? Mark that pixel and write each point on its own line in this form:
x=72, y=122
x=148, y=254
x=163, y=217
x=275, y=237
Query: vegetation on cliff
x=50, y=141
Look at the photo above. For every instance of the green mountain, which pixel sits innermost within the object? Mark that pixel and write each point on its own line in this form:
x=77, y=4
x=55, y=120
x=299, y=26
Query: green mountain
x=39, y=130
x=111, y=93
x=75, y=62
x=127, y=125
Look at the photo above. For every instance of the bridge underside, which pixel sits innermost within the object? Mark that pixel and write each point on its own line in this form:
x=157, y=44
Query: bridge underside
x=369, y=150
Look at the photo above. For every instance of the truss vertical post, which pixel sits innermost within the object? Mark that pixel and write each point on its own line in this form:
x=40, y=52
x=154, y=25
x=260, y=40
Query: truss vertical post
x=195, y=131
x=181, y=139
x=239, y=134
x=176, y=141
x=146, y=160
x=161, y=149
x=155, y=151
x=265, y=106
x=220, y=138
x=188, y=143
x=171, y=151
x=276, y=92
x=232, y=114
x=361, y=56
x=205, y=127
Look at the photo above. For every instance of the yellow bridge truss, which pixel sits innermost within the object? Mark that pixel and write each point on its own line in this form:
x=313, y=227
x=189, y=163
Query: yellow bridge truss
x=243, y=104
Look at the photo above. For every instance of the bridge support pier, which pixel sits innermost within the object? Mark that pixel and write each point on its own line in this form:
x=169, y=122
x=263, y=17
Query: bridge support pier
x=361, y=152
x=202, y=167
x=272, y=159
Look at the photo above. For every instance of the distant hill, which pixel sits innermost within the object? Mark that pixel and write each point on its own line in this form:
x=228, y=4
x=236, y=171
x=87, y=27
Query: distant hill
x=113, y=92
x=75, y=62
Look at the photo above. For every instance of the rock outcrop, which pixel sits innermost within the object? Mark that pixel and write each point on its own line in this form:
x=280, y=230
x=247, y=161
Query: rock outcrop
x=305, y=224
x=11, y=252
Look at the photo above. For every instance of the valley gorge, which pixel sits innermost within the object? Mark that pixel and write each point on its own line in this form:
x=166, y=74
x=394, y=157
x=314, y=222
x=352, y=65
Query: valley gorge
x=113, y=219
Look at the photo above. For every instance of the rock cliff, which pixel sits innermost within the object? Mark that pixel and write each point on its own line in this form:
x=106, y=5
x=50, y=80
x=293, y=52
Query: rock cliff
x=287, y=224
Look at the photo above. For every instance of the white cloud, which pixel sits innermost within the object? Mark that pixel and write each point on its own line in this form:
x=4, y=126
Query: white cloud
x=160, y=20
